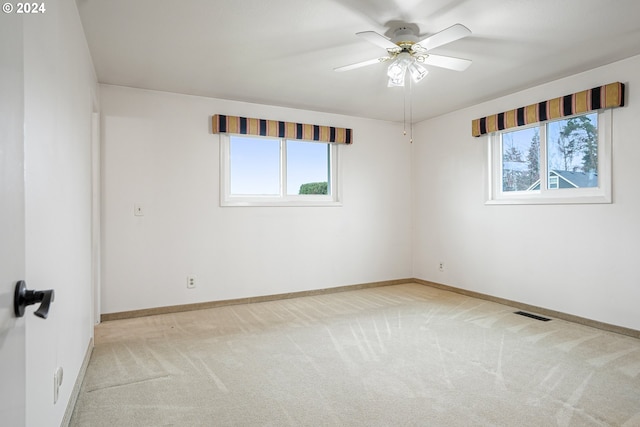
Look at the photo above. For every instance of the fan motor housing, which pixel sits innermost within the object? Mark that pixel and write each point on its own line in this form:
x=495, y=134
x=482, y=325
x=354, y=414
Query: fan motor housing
x=404, y=37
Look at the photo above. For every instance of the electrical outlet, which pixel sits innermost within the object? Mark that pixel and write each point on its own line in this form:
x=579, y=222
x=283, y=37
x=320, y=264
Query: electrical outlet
x=441, y=267
x=138, y=210
x=191, y=282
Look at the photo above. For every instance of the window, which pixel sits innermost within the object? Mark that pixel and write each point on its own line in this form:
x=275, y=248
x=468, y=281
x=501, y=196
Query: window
x=561, y=161
x=264, y=171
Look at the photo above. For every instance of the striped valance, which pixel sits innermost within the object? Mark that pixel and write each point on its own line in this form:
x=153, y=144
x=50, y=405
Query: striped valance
x=607, y=96
x=277, y=129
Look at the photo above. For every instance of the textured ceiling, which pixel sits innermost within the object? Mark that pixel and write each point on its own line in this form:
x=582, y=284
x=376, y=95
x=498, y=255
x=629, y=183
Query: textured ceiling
x=282, y=52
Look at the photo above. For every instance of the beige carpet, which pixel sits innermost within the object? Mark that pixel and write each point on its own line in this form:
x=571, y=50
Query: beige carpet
x=406, y=355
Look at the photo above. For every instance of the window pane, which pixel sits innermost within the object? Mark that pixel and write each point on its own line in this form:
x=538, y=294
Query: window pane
x=254, y=166
x=307, y=168
x=573, y=152
x=521, y=160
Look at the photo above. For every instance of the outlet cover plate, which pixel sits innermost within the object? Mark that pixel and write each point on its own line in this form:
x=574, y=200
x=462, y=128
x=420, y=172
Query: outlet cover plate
x=191, y=282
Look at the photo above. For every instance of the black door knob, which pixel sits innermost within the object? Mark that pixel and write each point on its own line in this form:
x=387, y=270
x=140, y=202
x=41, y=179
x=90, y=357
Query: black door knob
x=24, y=297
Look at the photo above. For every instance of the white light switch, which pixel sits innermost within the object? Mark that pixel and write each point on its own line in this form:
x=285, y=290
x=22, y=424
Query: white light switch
x=137, y=210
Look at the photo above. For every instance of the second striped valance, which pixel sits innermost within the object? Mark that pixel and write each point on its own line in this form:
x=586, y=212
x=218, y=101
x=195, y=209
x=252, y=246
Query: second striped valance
x=607, y=96
x=278, y=129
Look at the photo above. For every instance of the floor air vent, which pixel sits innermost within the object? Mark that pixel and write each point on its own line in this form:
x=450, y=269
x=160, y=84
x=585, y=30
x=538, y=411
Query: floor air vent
x=533, y=316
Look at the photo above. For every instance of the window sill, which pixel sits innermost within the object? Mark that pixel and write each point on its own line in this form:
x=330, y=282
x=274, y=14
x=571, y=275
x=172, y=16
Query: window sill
x=279, y=203
x=561, y=200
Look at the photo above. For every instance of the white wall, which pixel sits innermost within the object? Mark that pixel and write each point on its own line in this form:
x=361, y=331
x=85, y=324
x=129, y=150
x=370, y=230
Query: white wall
x=581, y=259
x=158, y=151
x=59, y=88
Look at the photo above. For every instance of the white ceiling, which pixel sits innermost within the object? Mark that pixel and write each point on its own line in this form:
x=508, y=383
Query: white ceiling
x=282, y=52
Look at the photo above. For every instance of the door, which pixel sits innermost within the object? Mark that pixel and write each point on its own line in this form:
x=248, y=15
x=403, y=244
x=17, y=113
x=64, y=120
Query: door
x=12, y=234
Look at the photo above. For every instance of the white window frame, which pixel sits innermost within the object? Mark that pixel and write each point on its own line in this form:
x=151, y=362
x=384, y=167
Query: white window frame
x=282, y=199
x=599, y=194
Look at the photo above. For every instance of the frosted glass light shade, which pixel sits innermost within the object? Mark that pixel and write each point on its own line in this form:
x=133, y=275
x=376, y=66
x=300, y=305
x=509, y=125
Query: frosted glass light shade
x=417, y=71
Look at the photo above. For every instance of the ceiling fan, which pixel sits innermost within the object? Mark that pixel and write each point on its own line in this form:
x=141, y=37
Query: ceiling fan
x=409, y=52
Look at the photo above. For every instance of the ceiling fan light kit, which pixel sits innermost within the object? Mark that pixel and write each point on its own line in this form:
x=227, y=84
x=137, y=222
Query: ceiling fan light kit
x=408, y=52
x=398, y=69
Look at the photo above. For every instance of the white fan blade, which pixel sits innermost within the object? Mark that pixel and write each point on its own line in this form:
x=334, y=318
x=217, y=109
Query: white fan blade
x=451, y=34
x=361, y=64
x=378, y=39
x=457, y=64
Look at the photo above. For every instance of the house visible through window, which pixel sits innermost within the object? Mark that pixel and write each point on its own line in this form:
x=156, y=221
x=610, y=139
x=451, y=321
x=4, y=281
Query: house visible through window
x=261, y=171
x=561, y=161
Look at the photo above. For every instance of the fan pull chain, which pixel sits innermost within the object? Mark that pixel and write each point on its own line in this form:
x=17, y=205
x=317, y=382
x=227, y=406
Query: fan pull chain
x=404, y=110
x=410, y=113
